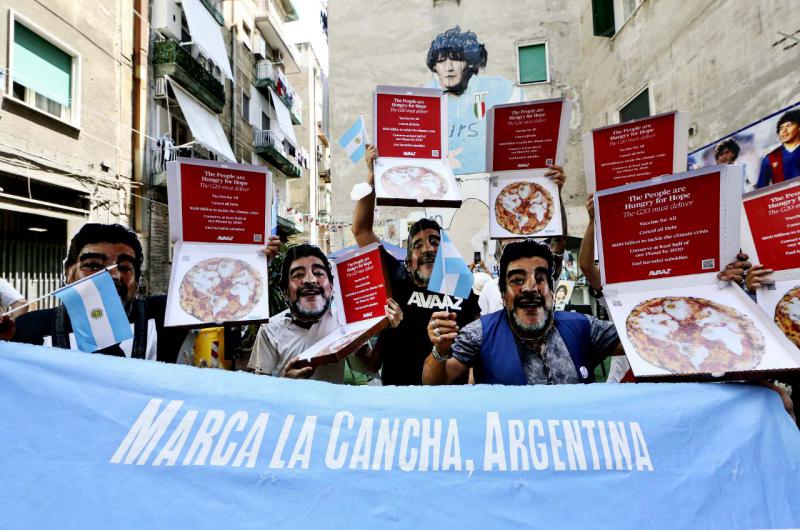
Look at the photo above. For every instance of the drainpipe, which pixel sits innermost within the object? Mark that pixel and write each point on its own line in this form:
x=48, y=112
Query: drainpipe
x=140, y=45
x=234, y=49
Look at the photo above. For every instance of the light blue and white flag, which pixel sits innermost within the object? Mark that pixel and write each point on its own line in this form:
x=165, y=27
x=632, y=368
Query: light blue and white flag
x=354, y=141
x=96, y=312
x=273, y=230
x=451, y=275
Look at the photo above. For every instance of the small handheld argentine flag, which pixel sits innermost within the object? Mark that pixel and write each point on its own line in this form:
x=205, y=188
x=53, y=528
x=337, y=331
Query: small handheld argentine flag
x=451, y=275
x=96, y=312
x=273, y=229
x=354, y=141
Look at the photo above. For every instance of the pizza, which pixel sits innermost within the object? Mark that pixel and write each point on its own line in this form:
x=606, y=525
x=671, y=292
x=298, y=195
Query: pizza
x=686, y=334
x=413, y=182
x=787, y=315
x=220, y=290
x=523, y=208
x=340, y=343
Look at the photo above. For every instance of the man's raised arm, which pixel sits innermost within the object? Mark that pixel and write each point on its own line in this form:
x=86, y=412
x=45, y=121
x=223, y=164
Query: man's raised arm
x=364, y=213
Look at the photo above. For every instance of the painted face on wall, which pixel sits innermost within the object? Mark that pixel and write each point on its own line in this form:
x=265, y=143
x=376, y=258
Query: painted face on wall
x=451, y=72
x=789, y=132
x=528, y=298
x=725, y=156
x=424, y=245
x=309, y=289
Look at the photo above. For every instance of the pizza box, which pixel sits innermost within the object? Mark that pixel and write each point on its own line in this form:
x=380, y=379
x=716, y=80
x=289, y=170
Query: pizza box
x=635, y=150
x=661, y=243
x=361, y=289
x=410, y=131
x=527, y=135
x=219, y=219
x=524, y=204
x=771, y=237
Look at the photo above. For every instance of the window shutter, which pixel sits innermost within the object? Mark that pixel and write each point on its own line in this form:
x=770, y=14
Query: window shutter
x=639, y=107
x=532, y=63
x=603, y=17
x=41, y=67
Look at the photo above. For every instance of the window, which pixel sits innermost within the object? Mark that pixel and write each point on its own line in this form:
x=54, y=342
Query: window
x=636, y=108
x=245, y=106
x=603, y=17
x=264, y=122
x=623, y=10
x=532, y=62
x=247, y=36
x=44, y=73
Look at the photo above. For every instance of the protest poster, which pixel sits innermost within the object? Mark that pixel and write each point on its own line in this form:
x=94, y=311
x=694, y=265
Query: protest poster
x=361, y=290
x=219, y=221
x=748, y=146
x=523, y=140
x=104, y=442
x=771, y=237
x=635, y=150
x=410, y=131
x=661, y=244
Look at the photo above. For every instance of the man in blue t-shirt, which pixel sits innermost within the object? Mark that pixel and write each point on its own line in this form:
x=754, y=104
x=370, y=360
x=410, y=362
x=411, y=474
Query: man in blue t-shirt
x=783, y=162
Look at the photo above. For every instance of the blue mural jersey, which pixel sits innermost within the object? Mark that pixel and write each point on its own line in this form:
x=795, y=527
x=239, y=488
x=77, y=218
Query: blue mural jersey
x=466, y=115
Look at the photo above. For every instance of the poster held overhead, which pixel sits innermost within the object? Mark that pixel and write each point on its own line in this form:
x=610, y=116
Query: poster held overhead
x=412, y=168
x=523, y=140
x=635, y=151
x=361, y=290
x=661, y=244
x=220, y=217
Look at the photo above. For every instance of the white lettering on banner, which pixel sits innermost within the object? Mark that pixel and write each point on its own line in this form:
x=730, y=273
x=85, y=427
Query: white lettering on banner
x=371, y=444
x=434, y=301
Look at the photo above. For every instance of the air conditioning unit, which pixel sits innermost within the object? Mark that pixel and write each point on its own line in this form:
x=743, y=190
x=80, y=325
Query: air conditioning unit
x=161, y=88
x=165, y=18
x=259, y=46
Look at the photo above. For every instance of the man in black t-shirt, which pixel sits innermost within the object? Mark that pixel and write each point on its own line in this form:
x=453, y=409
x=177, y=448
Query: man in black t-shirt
x=403, y=350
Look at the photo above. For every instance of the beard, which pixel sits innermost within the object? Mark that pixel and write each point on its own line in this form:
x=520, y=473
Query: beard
x=531, y=330
x=316, y=310
x=420, y=277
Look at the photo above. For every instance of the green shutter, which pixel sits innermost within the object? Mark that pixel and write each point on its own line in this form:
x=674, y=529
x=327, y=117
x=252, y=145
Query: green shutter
x=532, y=63
x=40, y=66
x=603, y=17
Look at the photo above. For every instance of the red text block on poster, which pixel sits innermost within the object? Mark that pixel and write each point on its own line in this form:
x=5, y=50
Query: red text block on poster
x=633, y=152
x=525, y=136
x=221, y=205
x=362, y=286
x=774, y=221
x=663, y=230
x=409, y=126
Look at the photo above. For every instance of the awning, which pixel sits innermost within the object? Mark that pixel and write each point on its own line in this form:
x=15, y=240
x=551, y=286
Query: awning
x=207, y=34
x=284, y=119
x=205, y=126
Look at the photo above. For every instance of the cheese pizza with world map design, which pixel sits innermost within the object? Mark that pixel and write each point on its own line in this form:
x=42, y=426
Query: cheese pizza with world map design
x=523, y=208
x=787, y=315
x=220, y=290
x=683, y=334
x=413, y=182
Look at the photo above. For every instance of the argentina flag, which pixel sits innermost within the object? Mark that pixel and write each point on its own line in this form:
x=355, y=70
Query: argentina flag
x=95, y=309
x=354, y=140
x=451, y=275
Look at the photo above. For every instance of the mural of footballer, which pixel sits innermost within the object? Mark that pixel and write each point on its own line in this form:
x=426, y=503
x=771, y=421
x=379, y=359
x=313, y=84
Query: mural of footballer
x=456, y=58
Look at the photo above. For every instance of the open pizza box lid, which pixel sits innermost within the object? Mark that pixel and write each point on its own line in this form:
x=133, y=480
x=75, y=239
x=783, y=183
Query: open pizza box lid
x=771, y=237
x=661, y=244
x=410, y=131
x=219, y=220
x=522, y=140
x=361, y=290
x=636, y=150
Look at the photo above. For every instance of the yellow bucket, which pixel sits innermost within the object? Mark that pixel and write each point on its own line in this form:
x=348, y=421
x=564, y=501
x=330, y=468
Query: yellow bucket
x=210, y=341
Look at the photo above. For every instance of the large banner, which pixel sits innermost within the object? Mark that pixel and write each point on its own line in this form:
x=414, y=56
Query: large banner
x=102, y=442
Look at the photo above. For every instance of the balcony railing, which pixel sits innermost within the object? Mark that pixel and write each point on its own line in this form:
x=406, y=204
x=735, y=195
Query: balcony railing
x=268, y=145
x=169, y=58
x=269, y=76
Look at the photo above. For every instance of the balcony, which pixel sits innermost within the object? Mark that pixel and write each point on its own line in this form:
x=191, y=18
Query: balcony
x=270, y=22
x=324, y=167
x=267, y=145
x=169, y=58
x=267, y=76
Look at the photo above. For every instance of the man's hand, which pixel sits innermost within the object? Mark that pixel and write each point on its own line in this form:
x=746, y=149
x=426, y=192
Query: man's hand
x=556, y=174
x=758, y=276
x=369, y=158
x=272, y=248
x=787, y=401
x=293, y=371
x=7, y=328
x=590, y=207
x=394, y=313
x=735, y=271
x=442, y=331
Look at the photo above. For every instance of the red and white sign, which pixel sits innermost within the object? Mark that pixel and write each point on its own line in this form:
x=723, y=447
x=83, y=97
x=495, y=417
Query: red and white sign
x=528, y=135
x=665, y=229
x=635, y=151
x=772, y=237
x=409, y=126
